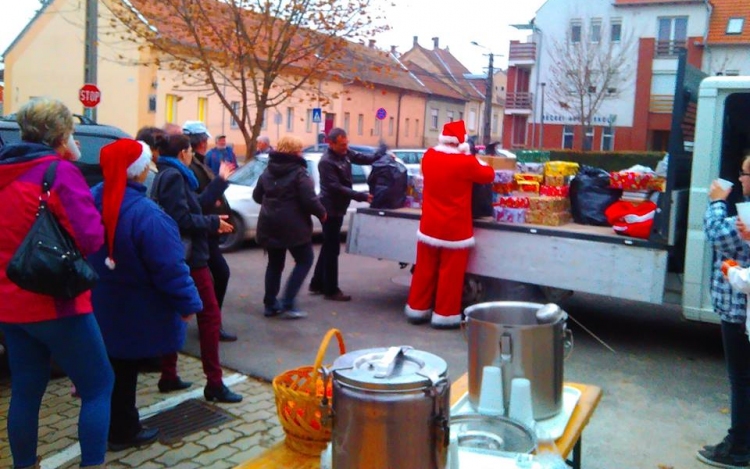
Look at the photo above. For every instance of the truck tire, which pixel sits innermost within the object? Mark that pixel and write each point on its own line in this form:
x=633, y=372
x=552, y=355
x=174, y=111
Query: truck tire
x=233, y=241
x=474, y=290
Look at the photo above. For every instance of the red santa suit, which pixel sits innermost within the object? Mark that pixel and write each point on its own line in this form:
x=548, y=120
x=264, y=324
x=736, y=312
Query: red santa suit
x=446, y=231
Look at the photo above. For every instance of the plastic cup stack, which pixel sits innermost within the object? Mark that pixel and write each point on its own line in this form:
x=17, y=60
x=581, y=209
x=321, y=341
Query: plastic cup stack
x=520, y=402
x=743, y=210
x=491, y=392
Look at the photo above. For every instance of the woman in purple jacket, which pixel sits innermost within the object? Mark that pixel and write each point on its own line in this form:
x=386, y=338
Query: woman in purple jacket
x=39, y=327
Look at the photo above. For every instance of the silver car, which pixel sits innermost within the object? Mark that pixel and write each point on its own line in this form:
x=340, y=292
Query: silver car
x=244, y=210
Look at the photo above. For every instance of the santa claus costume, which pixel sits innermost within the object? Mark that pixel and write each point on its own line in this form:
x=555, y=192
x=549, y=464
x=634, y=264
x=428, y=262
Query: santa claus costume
x=446, y=233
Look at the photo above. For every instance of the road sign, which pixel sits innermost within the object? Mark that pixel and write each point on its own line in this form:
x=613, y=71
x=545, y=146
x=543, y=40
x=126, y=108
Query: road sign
x=317, y=115
x=380, y=114
x=89, y=95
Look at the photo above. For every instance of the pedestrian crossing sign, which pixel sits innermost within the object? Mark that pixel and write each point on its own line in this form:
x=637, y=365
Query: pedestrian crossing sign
x=316, y=115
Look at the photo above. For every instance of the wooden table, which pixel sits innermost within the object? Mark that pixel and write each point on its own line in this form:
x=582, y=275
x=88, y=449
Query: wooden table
x=569, y=444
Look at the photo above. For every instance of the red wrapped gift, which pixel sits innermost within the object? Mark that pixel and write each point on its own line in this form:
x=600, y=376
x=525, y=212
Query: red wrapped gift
x=513, y=202
x=503, y=188
x=554, y=191
x=630, y=181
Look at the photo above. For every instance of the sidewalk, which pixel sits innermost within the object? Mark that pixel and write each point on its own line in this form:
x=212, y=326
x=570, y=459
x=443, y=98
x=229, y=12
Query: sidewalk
x=256, y=426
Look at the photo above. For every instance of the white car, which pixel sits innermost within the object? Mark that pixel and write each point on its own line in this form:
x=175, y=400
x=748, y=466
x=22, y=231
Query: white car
x=411, y=157
x=244, y=215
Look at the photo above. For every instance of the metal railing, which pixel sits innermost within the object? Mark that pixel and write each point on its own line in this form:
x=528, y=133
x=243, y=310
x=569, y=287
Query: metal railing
x=519, y=100
x=522, y=52
x=661, y=103
x=669, y=48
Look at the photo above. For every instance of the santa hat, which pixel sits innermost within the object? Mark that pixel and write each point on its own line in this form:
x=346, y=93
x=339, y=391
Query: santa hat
x=455, y=132
x=120, y=160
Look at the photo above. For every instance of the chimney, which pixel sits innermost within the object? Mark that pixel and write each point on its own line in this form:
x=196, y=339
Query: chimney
x=371, y=44
x=436, y=42
x=393, y=50
x=416, y=41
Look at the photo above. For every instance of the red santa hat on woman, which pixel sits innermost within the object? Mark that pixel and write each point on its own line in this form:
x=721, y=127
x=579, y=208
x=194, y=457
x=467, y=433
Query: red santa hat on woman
x=120, y=160
x=455, y=132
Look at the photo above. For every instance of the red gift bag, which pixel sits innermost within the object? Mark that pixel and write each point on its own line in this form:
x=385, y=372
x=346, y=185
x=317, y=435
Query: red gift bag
x=629, y=219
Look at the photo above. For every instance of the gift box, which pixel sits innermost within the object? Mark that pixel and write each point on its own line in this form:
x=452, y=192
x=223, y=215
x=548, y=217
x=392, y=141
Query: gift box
x=658, y=184
x=513, y=201
x=530, y=168
x=510, y=215
x=630, y=180
x=415, y=187
x=554, y=191
x=529, y=177
x=549, y=204
x=538, y=217
x=560, y=168
x=555, y=181
x=531, y=187
x=504, y=176
x=503, y=188
x=411, y=203
x=499, y=162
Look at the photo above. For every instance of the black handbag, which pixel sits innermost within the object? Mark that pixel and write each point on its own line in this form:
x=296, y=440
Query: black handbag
x=47, y=261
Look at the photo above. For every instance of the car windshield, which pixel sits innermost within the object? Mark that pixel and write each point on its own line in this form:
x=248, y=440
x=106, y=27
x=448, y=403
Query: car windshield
x=249, y=173
x=91, y=146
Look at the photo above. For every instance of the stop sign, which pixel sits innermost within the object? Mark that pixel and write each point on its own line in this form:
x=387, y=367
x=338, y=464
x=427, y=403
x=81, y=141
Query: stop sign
x=89, y=95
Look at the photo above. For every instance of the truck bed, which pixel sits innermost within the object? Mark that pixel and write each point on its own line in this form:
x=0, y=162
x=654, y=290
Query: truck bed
x=575, y=257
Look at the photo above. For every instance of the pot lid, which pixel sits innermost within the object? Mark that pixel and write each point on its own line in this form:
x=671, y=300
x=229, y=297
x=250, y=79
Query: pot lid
x=390, y=369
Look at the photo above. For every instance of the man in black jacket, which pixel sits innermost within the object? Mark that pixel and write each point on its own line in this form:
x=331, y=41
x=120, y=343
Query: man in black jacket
x=335, y=169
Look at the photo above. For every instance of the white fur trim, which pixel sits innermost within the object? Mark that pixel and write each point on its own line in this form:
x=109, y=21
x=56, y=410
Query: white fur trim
x=448, y=139
x=412, y=313
x=110, y=263
x=139, y=165
x=447, y=149
x=442, y=243
x=464, y=148
x=440, y=320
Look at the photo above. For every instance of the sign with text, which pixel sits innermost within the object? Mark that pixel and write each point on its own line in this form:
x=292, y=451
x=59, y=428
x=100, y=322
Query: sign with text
x=89, y=95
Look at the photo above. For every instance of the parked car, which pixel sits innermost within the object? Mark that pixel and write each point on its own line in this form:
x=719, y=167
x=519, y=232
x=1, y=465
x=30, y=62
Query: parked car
x=244, y=210
x=498, y=152
x=412, y=158
x=321, y=148
x=89, y=134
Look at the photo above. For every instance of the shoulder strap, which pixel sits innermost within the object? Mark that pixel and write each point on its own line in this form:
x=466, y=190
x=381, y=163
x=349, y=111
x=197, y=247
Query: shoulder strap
x=49, y=176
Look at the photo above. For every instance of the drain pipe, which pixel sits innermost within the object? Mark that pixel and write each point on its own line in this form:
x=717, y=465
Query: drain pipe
x=707, y=50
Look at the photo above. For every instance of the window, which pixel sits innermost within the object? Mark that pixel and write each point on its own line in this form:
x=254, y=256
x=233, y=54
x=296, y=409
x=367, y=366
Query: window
x=391, y=125
x=171, y=109
x=732, y=73
x=416, y=127
x=575, y=31
x=203, y=110
x=406, y=128
x=615, y=31
x=672, y=35
x=568, y=134
x=472, y=119
x=460, y=116
x=608, y=138
x=264, y=124
x=588, y=139
x=152, y=103
x=236, y=109
x=433, y=119
x=358, y=174
x=450, y=116
x=735, y=25
x=308, y=121
x=596, y=30
x=347, y=119
x=377, y=130
x=495, y=123
x=360, y=124
x=290, y=119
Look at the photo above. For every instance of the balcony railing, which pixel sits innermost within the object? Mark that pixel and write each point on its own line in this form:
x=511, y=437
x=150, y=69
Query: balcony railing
x=520, y=100
x=669, y=48
x=661, y=103
x=525, y=52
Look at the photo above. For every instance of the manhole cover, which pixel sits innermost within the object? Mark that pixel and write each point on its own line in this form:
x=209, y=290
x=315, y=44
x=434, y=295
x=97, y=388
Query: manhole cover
x=185, y=419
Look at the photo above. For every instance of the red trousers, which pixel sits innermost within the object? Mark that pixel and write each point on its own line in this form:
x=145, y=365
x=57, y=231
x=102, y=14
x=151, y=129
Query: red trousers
x=209, y=323
x=437, y=285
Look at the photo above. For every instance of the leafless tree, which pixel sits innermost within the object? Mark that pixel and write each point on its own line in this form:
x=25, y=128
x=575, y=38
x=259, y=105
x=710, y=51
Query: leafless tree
x=588, y=68
x=263, y=51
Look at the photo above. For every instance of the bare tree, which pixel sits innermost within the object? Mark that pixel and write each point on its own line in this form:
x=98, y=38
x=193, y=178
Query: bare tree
x=588, y=68
x=264, y=51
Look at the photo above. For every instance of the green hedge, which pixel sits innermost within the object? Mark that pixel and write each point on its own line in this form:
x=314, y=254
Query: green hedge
x=609, y=160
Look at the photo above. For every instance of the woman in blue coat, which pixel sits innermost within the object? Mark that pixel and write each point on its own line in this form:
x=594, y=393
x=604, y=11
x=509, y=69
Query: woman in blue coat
x=145, y=292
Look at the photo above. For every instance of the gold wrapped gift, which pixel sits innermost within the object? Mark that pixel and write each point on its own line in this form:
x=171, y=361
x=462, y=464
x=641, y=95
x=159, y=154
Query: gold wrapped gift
x=549, y=204
x=538, y=217
x=560, y=168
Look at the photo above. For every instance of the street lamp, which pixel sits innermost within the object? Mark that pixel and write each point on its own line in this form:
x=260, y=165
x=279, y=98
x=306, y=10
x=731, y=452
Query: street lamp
x=486, y=137
x=533, y=27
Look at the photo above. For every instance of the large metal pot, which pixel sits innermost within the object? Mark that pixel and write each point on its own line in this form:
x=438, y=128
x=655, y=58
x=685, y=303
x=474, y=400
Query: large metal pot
x=512, y=336
x=390, y=410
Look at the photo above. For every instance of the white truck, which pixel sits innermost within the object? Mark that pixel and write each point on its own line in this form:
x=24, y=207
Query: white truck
x=672, y=266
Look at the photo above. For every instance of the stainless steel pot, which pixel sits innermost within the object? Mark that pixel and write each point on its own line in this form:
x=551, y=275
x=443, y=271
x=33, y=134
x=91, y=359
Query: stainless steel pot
x=390, y=410
x=524, y=344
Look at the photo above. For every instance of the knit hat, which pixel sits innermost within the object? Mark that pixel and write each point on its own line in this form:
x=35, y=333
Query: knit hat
x=195, y=128
x=455, y=132
x=120, y=160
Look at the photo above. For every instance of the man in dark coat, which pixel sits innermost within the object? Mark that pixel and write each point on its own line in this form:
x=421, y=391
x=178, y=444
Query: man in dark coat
x=336, y=193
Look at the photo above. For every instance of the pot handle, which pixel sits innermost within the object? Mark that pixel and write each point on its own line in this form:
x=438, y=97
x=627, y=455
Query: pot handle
x=506, y=348
x=567, y=343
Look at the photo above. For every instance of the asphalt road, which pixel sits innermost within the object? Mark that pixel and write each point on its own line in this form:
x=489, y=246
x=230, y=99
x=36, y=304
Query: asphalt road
x=665, y=386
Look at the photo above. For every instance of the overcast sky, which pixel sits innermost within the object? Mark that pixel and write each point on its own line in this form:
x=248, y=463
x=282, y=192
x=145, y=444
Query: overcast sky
x=456, y=23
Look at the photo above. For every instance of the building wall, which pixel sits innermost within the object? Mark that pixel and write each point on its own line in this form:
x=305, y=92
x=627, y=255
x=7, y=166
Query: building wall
x=727, y=59
x=443, y=107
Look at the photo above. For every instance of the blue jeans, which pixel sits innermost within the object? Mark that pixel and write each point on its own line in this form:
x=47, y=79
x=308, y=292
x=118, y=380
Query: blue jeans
x=737, y=356
x=303, y=259
x=75, y=343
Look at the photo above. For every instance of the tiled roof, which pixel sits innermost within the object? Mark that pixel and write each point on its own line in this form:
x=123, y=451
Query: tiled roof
x=371, y=65
x=435, y=85
x=723, y=11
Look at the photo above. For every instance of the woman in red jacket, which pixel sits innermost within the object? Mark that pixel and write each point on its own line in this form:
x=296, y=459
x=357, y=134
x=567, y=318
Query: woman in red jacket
x=37, y=327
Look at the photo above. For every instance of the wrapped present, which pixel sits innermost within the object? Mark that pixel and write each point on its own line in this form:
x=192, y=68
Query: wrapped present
x=560, y=168
x=537, y=156
x=503, y=188
x=658, y=184
x=549, y=204
x=499, y=162
x=531, y=187
x=531, y=168
x=630, y=180
x=415, y=187
x=556, y=180
x=411, y=203
x=554, y=191
x=529, y=177
x=537, y=217
x=513, y=201
x=510, y=215
x=504, y=176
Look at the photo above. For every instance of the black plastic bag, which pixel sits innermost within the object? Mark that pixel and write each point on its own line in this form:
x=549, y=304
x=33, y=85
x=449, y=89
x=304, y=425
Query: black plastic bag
x=481, y=200
x=387, y=181
x=590, y=195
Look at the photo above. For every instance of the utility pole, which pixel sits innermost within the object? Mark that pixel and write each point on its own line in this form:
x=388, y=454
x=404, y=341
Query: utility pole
x=91, y=53
x=488, y=103
x=541, y=127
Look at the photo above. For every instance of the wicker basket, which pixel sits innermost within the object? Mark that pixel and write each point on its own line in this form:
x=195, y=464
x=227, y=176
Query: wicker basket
x=302, y=399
